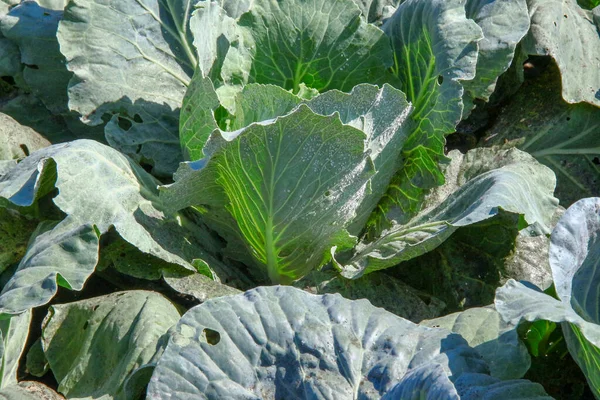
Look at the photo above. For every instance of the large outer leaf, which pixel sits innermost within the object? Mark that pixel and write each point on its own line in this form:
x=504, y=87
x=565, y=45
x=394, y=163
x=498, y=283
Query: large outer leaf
x=93, y=345
x=435, y=48
x=14, y=333
x=504, y=24
x=574, y=259
x=563, y=30
x=562, y=136
x=66, y=253
x=478, y=186
x=98, y=188
x=496, y=341
x=286, y=189
x=281, y=342
x=140, y=71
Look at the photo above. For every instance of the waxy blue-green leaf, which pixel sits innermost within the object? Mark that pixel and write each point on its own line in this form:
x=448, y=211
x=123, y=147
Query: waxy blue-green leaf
x=574, y=259
x=497, y=341
x=567, y=33
x=32, y=27
x=275, y=342
x=64, y=253
x=254, y=103
x=478, y=186
x=14, y=332
x=320, y=43
x=282, y=192
x=504, y=23
x=431, y=383
x=281, y=342
x=10, y=57
x=98, y=188
x=484, y=387
x=92, y=346
x=140, y=74
x=435, y=49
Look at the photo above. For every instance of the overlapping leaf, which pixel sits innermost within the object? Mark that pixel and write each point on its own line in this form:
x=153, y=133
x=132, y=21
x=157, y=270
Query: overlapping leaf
x=376, y=11
x=322, y=345
x=92, y=346
x=435, y=48
x=322, y=44
x=13, y=336
x=504, y=23
x=140, y=73
x=366, y=132
x=567, y=33
x=496, y=341
x=479, y=185
x=281, y=342
x=32, y=26
x=98, y=188
x=573, y=258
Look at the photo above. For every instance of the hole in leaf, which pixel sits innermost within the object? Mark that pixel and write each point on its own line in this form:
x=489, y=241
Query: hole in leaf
x=138, y=119
x=568, y=118
x=46, y=14
x=25, y=149
x=32, y=66
x=124, y=123
x=327, y=193
x=596, y=160
x=85, y=326
x=565, y=16
x=8, y=79
x=212, y=337
x=440, y=79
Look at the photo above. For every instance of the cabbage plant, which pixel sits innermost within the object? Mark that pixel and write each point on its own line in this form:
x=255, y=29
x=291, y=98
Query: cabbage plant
x=162, y=163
